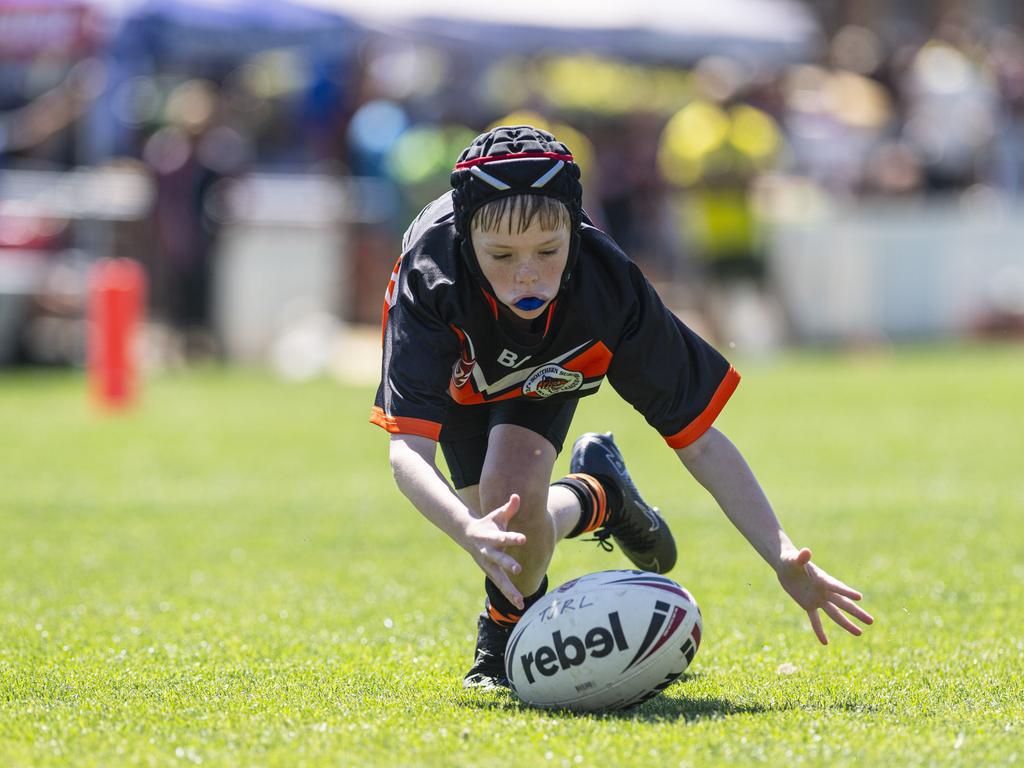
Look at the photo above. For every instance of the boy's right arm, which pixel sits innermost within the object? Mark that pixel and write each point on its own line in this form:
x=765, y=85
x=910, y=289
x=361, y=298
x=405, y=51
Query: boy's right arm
x=484, y=538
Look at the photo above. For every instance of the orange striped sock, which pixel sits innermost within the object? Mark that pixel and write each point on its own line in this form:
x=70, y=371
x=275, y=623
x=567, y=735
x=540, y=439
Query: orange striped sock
x=501, y=610
x=506, y=620
x=593, y=500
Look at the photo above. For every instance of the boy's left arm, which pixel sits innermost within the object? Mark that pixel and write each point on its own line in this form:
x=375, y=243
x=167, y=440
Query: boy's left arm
x=718, y=465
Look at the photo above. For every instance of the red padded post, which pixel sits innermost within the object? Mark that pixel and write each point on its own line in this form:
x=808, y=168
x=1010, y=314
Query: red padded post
x=117, y=299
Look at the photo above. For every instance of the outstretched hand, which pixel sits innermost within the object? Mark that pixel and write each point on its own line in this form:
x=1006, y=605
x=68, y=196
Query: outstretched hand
x=485, y=540
x=812, y=589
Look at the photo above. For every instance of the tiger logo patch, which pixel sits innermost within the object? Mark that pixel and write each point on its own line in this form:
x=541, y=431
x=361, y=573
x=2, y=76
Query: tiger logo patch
x=552, y=380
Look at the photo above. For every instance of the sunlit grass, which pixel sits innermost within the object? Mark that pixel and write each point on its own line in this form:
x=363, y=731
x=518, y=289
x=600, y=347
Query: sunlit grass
x=228, y=576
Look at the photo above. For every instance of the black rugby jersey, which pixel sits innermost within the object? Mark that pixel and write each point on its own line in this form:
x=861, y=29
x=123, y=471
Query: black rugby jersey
x=443, y=346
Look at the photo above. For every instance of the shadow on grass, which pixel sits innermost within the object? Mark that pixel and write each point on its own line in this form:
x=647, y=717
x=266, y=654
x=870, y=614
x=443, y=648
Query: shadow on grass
x=659, y=709
x=664, y=708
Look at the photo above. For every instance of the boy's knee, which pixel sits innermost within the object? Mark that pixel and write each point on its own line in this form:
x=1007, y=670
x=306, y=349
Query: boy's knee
x=533, y=512
x=497, y=490
x=533, y=496
x=518, y=461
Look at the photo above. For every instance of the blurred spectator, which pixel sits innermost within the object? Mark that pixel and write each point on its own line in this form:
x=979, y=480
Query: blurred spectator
x=631, y=190
x=324, y=109
x=711, y=151
x=1008, y=153
x=834, y=120
x=187, y=157
x=951, y=103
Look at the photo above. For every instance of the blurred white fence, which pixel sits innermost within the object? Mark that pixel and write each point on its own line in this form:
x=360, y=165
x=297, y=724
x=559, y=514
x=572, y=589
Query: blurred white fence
x=899, y=270
x=284, y=255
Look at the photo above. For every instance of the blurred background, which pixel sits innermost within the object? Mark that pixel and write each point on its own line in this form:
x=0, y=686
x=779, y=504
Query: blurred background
x=841, y=173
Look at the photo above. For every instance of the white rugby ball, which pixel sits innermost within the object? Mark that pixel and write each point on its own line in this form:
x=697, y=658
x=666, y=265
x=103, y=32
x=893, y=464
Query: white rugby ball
x=603, y=641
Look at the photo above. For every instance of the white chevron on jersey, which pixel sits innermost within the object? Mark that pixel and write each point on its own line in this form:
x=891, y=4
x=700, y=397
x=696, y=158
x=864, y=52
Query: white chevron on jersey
x=516, y=377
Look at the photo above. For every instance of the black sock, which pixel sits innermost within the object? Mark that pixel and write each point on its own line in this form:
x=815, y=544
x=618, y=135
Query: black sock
x=503, y=611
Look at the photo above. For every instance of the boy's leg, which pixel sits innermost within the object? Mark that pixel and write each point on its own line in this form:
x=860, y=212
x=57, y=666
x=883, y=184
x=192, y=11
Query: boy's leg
x=520, y=461
x=488, y=670
x=517, y=455
x=524, y=440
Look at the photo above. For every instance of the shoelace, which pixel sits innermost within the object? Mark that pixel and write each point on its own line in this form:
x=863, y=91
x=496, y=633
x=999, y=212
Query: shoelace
x=631, y=534
x=601, y=537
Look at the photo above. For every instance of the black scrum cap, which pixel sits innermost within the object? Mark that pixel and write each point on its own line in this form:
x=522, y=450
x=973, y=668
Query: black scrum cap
x=515, y=160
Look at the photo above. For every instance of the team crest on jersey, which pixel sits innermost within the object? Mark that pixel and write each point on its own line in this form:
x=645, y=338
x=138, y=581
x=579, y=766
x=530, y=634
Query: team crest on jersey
x=551, y=380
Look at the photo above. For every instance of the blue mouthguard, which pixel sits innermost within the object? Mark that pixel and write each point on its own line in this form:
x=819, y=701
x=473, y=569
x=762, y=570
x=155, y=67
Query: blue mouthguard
x=530, y=303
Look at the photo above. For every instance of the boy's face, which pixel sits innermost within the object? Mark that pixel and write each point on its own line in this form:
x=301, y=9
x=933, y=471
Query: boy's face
x=524, y=268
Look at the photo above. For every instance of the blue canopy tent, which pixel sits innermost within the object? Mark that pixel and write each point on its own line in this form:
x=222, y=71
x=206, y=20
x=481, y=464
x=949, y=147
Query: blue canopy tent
x=191, y=30
x=756, y=32
x=207, y=38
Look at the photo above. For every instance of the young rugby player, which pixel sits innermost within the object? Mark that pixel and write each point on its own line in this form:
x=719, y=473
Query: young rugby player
x=507, y=306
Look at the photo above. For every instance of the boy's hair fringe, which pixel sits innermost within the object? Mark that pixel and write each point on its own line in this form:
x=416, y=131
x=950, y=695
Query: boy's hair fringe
x=520, y=211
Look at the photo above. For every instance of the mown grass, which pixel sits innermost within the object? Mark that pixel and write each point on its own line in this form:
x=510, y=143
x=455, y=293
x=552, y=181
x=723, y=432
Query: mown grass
x=227, y=576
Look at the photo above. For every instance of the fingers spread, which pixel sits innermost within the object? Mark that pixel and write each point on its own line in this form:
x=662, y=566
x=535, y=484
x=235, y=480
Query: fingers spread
x=840, y=618
x=852, y=608
x=837, y=586
x=816, y=626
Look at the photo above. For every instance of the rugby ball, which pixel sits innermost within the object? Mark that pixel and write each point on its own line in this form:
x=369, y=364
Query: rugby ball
x=603, y=641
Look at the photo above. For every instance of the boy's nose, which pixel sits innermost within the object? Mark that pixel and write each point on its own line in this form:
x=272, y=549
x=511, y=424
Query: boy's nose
x=527, y=275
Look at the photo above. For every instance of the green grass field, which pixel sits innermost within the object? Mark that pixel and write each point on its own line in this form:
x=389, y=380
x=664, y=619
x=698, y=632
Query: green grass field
x=228, y=576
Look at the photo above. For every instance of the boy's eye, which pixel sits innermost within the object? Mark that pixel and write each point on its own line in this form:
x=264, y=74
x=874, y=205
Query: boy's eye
x=499, y=256
x=549, y=252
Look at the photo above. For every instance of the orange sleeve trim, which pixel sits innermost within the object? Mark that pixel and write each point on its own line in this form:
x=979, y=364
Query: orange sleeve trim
x=402, y=425
x=389, y=299
x=592, y=362
x=702, y=423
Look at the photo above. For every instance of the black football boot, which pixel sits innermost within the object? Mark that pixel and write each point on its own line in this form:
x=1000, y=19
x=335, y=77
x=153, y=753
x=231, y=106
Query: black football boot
x=636, y=526
x=488, y=670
